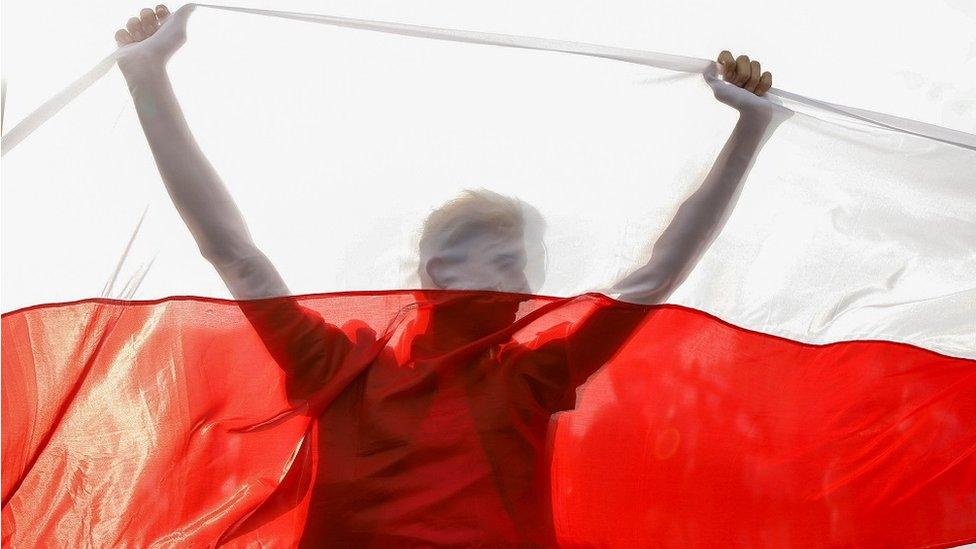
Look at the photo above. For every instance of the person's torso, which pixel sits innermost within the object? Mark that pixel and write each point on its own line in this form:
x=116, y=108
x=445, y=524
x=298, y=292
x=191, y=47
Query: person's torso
x=446, y=451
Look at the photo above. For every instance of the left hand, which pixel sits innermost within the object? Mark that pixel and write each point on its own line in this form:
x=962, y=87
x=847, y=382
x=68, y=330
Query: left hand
x=148, y=41
x=745, y=73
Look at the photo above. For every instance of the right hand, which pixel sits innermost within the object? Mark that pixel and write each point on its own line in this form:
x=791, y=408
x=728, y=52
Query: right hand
x=152, y=38
x=743, y=86
x=745, y=73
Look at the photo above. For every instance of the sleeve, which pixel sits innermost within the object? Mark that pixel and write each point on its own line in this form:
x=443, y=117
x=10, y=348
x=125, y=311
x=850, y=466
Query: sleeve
x=309, y=350
x=575, y=350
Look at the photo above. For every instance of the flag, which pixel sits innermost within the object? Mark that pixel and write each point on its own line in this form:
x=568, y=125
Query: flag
x=810, y=381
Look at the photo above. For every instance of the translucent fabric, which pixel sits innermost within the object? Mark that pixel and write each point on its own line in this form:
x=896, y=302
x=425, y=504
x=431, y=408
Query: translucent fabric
x=171, y=424
x=705, y=329
x=409, y=122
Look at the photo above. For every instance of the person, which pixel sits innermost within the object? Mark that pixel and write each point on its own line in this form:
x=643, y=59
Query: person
x=452, y=450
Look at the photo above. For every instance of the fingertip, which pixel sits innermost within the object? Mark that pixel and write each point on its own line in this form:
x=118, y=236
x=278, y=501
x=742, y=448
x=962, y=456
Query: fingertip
x=765, y=83
x=148, y=19
x=122, y=37
x=162, y=11
x=742, y=70
x=755, y=74
x=727, y=62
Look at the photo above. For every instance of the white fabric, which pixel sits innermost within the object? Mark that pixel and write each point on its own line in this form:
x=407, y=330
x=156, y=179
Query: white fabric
x=851, y=225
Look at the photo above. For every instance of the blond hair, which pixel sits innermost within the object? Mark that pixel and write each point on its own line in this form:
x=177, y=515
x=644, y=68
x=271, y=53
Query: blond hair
x=474, y=210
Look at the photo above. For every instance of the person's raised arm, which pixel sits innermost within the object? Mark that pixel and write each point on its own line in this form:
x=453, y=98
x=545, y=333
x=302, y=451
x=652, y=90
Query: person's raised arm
x=700, y=217
x=207, y=208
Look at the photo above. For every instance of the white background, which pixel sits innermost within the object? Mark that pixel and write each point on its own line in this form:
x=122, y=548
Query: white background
x=905, y=57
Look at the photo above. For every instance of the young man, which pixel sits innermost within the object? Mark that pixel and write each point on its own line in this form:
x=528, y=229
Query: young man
x=451, y=450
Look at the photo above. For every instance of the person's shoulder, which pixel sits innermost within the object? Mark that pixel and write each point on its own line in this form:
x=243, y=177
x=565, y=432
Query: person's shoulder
x=547, y=345
x=359, y=332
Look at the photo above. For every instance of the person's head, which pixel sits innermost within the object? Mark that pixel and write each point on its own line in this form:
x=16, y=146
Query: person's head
x=482, y=240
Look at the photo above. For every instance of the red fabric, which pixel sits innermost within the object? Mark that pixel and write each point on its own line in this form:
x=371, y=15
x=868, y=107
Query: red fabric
x=413, y=418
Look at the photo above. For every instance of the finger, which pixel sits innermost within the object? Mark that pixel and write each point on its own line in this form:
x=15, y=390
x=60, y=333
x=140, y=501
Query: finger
x=728, y=63
x=148, y=19
x=122, y=37
x=162, y=12
x=134, y=26
x=742, y=70
x=730, y=69
x=765, y=82
x=755, y=72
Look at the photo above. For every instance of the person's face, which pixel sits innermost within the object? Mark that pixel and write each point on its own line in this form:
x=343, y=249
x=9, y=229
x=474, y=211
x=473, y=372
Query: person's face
x=481, y=260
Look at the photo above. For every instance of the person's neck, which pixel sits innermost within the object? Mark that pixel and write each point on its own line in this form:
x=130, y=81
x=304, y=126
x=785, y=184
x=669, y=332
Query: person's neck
x=458, y=318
